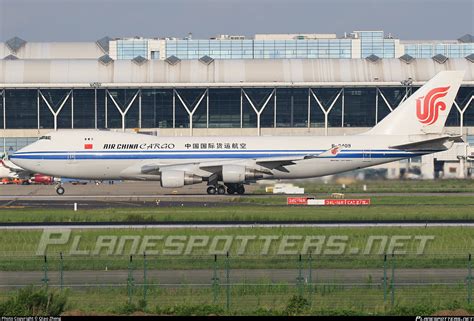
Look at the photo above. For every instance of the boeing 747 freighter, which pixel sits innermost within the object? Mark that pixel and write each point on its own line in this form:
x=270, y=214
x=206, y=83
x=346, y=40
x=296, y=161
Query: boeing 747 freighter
x=413, y=129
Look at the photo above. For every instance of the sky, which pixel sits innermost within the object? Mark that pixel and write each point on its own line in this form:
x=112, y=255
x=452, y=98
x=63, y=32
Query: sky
x=87, y=20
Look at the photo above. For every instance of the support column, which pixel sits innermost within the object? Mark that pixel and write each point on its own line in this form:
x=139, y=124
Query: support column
x=309, y=109
x=343, y=108
x=55, y=113
x=376, y=106
x=241, y=108
x=4, y=123
x=191, y=111
x=106, y=109
x=139, y=108
x=259, y=112
x=461, y=112
x=123, y=113
x=207, y=108
x=72, y=108
x=427, y=166
x=328, y=110
x=38, y=108
x=385, y=99
x=4, y=110
x=275, y=109
x=95, y=108
x=174, y=108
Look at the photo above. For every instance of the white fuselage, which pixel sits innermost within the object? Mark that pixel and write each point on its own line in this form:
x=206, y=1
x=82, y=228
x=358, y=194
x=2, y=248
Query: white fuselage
x=108, y=155
x=414, y=128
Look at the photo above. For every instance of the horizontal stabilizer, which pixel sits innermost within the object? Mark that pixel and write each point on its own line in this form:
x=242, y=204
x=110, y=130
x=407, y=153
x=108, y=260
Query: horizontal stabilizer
x=439, y=143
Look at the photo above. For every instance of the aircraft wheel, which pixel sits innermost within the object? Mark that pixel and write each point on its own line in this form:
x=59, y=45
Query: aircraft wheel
x=241, y=190
x=211, y=190
x=60, y=190
x=220, y=189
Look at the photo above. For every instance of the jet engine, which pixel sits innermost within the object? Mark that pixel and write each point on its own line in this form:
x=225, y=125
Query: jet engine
x=175, y=178
x=239, y=174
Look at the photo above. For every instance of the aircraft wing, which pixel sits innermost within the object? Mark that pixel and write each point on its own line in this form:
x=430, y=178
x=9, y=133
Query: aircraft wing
x=268, y=163
x=147, y=171
x=275, y=162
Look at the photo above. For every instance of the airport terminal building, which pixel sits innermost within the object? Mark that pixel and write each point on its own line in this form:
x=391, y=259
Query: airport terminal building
x=271, y=84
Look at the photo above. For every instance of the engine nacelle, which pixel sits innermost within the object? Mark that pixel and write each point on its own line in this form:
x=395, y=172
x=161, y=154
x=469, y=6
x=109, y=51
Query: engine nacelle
x=173, y=178
x=239, y=174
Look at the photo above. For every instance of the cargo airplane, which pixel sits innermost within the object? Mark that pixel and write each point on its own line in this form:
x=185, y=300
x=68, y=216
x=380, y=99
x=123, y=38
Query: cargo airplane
x=413, y=129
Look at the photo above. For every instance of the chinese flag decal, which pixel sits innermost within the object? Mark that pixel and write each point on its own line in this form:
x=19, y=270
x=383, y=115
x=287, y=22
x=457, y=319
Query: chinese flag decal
x=87, y=146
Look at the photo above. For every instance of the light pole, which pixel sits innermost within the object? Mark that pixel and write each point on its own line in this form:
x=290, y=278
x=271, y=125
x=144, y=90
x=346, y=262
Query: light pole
x=407, y=83
x=4, y=124
x=95, y=85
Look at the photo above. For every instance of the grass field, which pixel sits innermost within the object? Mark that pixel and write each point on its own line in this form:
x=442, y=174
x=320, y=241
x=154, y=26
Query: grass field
x=266, y=299
x=330, y=247
x=448, y=247
x=263, y=209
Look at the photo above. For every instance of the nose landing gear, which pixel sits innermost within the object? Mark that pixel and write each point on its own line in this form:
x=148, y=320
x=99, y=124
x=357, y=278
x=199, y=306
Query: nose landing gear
x=60, y=189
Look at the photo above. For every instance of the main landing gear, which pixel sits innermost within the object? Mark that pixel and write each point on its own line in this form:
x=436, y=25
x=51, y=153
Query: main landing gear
x=60, y=189
x=231, y=189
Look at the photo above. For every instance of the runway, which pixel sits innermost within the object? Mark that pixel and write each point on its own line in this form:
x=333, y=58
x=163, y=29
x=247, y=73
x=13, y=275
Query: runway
x=350, y=277
x=60, y=203
x=147, y=190
x=231, y=224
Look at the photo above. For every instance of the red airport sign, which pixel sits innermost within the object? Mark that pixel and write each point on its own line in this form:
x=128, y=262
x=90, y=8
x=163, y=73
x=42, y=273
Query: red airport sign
x=327, y=202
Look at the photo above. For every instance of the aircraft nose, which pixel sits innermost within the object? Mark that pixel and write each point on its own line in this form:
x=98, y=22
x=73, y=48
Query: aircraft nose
x=16, y=158
x=21, y=159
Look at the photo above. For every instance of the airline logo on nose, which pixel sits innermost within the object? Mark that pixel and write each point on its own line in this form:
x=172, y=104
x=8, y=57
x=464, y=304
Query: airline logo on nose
x=428, y=107
x=88, y=146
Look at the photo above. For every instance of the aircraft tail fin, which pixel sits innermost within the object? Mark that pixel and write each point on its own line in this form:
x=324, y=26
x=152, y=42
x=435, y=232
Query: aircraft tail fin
x=424, y=112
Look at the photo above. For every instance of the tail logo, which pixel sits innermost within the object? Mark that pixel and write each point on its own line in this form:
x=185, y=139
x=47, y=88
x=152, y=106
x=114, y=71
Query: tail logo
x=428, y=107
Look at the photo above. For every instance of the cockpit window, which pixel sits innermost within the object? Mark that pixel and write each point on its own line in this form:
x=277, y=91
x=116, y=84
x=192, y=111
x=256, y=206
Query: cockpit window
x=45, y=138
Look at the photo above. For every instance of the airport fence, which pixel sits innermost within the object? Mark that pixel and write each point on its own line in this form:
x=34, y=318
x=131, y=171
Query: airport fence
x=247, y=283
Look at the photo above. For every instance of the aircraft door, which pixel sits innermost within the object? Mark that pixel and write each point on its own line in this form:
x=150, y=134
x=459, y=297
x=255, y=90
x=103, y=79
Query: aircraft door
x=366, y=155
x=71, y=157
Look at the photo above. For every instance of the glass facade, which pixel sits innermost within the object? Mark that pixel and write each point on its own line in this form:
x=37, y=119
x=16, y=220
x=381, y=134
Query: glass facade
x=292, y=108
x=131, y=48
x=224, y=108
x=289, y=47
x=428, y=50
x=375, y=43
x=361, y=107
x=12, y=144
x=21, y=108
x=158, y=111
x=217, y=108
x=259, y=49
